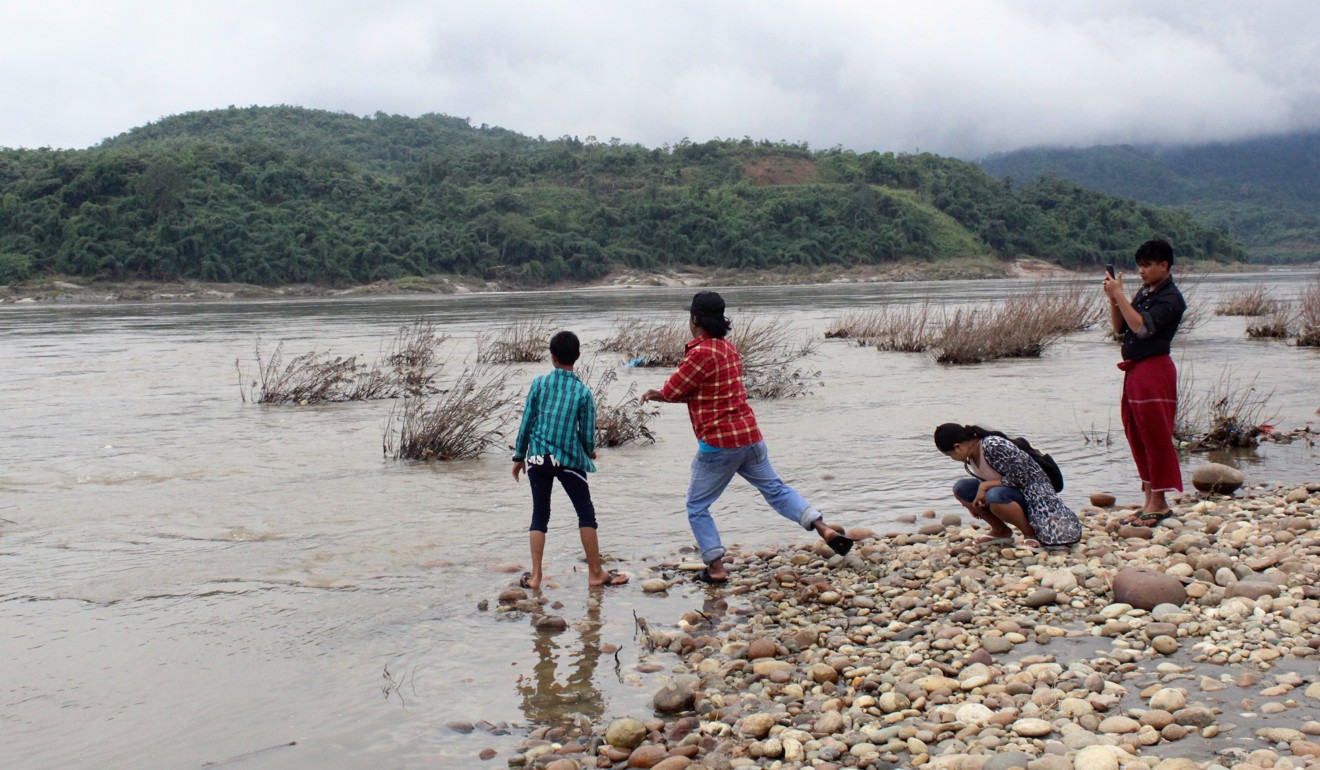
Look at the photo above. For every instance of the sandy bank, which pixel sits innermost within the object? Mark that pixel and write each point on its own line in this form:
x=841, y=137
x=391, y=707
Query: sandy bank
x=69, y=290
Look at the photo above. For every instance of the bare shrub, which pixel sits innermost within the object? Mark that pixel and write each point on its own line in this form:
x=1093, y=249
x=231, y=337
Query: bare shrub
x=911, y=329
x=860, y=325
x=965, y=338
x=648, y=342
x=904, y=328
x=1195, y=314
x=1308, y=317
x=1254, y=301
x=1277, y=323
x=1012, y=330
x=313, y=378
x=769, y=348
x=1067, y=308
x=1189, y=415
x=1229, y=414
x=412, y=355
x=519, y=342
x=456, y=424
x=618, y=422
x=1235, y=411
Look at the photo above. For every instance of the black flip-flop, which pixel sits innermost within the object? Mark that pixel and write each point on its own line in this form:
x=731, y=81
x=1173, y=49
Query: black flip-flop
x=705, y=577
x=1146, y=518
x=840, y=544
x=525, y=580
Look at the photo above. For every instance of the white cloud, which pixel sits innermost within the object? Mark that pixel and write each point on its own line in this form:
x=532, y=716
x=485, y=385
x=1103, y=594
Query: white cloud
x=959, y=78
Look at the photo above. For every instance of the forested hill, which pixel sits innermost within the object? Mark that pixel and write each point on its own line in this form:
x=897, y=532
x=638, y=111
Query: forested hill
x=1265, y=191
x=287, y=195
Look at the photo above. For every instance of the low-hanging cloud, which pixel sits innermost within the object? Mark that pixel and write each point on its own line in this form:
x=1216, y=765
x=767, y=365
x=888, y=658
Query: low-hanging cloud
x=959, y=78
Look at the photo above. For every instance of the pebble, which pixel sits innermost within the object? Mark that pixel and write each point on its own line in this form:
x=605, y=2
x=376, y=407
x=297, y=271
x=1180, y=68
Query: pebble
x=913, y=651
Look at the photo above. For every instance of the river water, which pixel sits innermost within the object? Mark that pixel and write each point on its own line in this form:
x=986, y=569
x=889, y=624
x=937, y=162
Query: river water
x=186, y=578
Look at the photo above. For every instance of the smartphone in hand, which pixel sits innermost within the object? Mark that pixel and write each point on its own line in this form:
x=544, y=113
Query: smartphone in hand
x=1110, y=269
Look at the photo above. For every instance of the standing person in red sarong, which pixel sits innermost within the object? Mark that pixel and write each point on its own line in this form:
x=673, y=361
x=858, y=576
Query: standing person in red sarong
x=1147, y=324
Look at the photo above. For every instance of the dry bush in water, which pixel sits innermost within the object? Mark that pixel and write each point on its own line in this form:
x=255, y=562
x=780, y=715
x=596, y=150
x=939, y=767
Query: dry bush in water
x=1188, y=415
x=1277, y=323
x=408, y=367
x=411, y=357
x=769, y=348
x=648, y=343
x=904, y=328
x=518, y=342
x=1308, y=317
x=1229, y=414
x=1072, y=307
x=910, y=329
x=860, y=325
x=456, y=424
x=1254, y=301
x=619, y=422
x=1012, y=330
x=1195, y=314
x=312, y=378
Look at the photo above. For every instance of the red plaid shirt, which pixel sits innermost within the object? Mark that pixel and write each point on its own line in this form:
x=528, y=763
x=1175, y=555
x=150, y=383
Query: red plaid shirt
x=710, y=381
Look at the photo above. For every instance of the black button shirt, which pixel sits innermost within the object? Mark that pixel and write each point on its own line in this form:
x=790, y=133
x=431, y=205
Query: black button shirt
x=1162, y=310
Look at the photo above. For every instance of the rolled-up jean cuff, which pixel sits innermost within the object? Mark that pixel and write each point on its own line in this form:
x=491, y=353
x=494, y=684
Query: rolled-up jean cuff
x=809, y=518
x=715, y=553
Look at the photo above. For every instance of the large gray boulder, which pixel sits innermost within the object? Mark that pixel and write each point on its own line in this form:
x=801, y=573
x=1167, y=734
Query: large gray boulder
x=1217, y=478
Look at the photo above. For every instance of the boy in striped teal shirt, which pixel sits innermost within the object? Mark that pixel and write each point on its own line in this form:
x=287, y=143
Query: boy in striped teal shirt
x=557, y=440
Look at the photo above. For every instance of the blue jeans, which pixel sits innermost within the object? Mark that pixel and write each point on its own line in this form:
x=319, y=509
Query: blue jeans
x=966, y=489
x=712, y=472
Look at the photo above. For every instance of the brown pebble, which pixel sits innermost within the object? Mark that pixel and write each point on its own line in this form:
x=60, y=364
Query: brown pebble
x=487, y=754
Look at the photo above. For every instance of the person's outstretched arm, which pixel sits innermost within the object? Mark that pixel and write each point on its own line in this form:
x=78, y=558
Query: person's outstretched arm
x=683, y=382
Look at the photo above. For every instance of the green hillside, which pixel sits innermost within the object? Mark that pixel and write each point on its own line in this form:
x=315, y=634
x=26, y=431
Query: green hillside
x=1264, y=191
x=285, y=195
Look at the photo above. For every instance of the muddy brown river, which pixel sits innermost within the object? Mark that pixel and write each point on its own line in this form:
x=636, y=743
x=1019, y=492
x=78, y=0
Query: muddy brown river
x=187, y=579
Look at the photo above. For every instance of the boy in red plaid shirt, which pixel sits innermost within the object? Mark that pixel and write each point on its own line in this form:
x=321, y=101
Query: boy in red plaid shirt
x=729, y=442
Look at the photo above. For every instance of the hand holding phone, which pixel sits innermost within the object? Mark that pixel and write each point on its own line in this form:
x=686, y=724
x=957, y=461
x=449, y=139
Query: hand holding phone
x=1109, y=268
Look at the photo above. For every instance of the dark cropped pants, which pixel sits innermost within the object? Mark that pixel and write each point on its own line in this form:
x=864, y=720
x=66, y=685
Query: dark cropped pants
x=542, y=477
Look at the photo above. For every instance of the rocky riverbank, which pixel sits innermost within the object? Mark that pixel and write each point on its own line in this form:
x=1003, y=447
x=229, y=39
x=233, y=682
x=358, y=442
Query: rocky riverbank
x=1189, y=645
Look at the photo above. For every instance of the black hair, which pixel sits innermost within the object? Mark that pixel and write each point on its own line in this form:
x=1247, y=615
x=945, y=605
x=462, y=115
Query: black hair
x=1154, y=250
x=951, y=433
x=716, y=326
x=565, y=347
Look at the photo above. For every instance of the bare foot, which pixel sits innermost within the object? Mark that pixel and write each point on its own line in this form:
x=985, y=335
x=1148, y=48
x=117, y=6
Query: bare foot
x=529, y=580
x=610, y=578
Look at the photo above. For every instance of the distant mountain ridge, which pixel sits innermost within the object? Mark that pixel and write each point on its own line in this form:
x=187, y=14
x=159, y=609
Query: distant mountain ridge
x=279, y=195
x=1265, y=191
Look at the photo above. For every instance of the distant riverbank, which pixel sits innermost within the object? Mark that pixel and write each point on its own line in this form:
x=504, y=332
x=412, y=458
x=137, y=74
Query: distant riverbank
x=68, y=289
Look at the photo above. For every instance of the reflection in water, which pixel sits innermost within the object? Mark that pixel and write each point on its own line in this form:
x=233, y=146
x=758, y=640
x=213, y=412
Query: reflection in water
x=548, y=701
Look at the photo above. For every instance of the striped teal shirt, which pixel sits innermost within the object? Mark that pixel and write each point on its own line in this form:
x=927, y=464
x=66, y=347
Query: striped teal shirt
x=559, y=419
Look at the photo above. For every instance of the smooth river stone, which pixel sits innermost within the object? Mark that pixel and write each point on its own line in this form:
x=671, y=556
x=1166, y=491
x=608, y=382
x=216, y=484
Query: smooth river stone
x=1032, y=727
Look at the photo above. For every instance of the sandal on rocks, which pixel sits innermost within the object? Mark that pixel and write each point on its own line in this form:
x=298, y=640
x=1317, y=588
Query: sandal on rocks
x=991, y=540
x=1146, y=518
x=840, y=544
x=705, y=577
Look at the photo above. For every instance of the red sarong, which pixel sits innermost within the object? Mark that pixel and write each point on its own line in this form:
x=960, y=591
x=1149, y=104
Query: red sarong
x=1150, y=404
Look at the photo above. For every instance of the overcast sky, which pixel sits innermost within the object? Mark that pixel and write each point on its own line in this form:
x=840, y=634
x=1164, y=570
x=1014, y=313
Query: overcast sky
x=957, y=78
